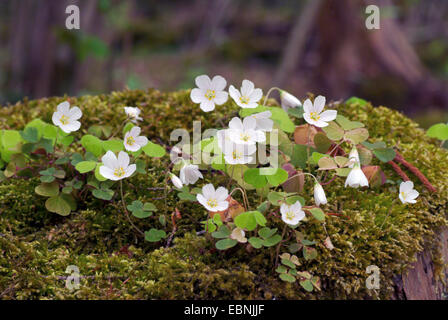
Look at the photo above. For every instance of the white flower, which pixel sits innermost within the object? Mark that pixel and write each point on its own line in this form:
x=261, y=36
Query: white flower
x=244, y=132
x=114, y=168
x=189, y=174
x=238, y=153
x=133, y=141
x=66, y=117
x=133, y=113
x=264, y=121
x=292, y=214
x=213, y=200
x=356, y=178
x=319, y=194
x=313, y=112
x=407, y=192
x=176, y=181
x=288, y=100
x=209, y=92
x=248, y=97
x=353, y=157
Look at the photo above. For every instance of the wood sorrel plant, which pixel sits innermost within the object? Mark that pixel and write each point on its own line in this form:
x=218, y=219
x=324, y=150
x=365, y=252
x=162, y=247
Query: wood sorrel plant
x=302, y=143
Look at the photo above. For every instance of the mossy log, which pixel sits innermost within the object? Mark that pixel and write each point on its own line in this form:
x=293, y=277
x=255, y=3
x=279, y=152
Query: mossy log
x=115, y=263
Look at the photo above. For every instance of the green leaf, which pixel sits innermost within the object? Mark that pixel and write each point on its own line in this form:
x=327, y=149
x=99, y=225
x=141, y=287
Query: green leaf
x=154, y=235
x=322, y=142
x=318, y=214
x=103, y=194
x=373, y=146
x=347, y=124
x=66, y=141
x=154, y=150
x=309, y=253
x=276, y=198
x=439, y=131
x=300, y=155
x=288, y=263
x=186, y=196
x=259, y=217
x=255, y=242
x=287, y=277
x=281, y=269
x=246, y=220
x=272, y=241
x=307, y=285
x=333, y=131
x=30, y=134
x=223, y=232
x=275, y=176
x=294, y=199
x=58, y=205
x=279, y=116
x=357, y=136
x=296, y=112
x=113, y=145
x=327, y=163
x=262, y=207
x=128, y=127
x=98, y=175
x=47, y=179
x=385, y=155
x=225, y=244
x=85, y=166
x=48, y=189
x=92, y=144
x=266, y=232
x=356, y=100
x=254, y=178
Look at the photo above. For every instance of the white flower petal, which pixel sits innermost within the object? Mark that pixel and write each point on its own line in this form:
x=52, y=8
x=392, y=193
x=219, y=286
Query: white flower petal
x=308, y=106
x=208, y=190
x=221, y=97
x=256, y=95
x=406, y=186
x=218, y=83
x=75, y=113
x=63, y=107
x=207, y=105
x=247, y=87
x=328, y=115
x=249, y=123
x=123, y=159
x=319, y=104
x=203, y=82
x=107, y=173
x=130, y=170
x=236, y=124
x=110, y=160
x=197, y=95
x=221, y=194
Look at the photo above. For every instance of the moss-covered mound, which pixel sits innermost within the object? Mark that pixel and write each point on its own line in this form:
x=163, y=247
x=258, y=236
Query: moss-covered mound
x=36, y=246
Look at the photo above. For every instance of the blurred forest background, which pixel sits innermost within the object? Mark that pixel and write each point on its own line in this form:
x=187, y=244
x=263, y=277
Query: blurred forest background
x=319, y=46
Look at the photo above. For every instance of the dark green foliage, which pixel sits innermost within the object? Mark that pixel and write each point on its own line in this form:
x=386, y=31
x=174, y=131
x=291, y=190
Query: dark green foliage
x=36, y=246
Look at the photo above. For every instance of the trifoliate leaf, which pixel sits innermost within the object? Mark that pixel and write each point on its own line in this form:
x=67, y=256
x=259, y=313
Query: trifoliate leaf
x=59, y=205
x=154, y=235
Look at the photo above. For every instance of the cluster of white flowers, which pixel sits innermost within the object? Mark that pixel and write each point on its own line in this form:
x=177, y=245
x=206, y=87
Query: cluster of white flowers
x=211, y=92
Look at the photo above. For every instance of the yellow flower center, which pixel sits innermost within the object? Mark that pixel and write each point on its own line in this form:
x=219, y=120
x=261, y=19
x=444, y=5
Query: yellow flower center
x=244, y=137
x=210, y=94
x=119, y=172
x=235, y=155
x=64, y=120
x=290, y=215
x=315, y=116
x=212, y=203
x=403, y=195
x=130, y=141
x=244, y=100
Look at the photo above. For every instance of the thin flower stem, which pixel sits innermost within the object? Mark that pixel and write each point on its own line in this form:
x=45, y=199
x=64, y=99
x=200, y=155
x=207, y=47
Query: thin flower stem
x=269, y=92
x=126, y=210
x=277, y=251
x=245, y=200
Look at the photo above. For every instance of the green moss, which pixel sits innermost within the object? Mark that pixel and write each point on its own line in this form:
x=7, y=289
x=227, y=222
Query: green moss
x=36, y=246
